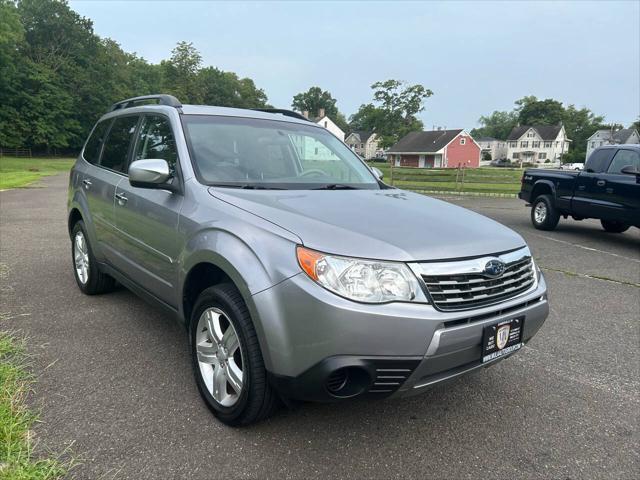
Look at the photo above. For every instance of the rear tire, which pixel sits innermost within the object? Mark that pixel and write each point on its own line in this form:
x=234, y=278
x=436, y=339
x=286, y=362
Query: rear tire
x=544, y=214
x=226, y=358
x=86, y=270
x=612, y=226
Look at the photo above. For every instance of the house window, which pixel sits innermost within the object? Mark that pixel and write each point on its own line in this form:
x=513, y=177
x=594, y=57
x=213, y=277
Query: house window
x=362, y=145
x=524, y=144
x=547, y=144
x=542, y=156
x=557, y=143
x=316, y=150
x=535, y=144
x=530, y=135
x=512, y=144
x=463, y=141
x=516, y=155
x=593, y=144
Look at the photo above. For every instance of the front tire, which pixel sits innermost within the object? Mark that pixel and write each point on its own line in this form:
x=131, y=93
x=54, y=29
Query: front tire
x=85, y=267
x=227, y=361
x=544, y=215
x=612, y=226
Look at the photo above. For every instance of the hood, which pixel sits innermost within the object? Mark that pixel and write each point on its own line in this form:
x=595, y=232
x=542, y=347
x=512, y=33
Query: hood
x=379, y=224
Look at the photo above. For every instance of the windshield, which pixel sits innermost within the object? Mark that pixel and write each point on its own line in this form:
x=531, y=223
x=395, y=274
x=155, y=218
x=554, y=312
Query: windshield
x=253, y=153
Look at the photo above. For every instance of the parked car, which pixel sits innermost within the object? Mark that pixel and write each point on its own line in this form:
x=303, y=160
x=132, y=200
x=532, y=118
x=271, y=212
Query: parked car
x=297, y=272
x=501, y=162
x=572, y=166
x=607, y=189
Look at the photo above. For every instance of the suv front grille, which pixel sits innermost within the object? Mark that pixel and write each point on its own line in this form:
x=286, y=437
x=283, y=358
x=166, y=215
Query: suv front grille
x=462, y=291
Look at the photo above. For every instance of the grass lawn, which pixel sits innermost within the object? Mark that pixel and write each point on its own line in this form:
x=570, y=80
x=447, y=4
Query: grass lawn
x=20, y=172
x=17, y=459
x=484, y=180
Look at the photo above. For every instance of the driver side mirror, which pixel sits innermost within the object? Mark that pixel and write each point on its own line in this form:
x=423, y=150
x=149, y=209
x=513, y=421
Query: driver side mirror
x=150, y=173
x=377, y=172
x=630, y=170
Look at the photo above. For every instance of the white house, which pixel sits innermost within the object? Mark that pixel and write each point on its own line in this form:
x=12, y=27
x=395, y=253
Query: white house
x=326, y=122
x=363, y=143
x=608, y=137
x=492, y=146
x=537, y=144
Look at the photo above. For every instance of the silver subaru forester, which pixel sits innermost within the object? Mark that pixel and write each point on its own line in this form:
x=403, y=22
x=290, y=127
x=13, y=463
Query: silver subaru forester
x=299, y=274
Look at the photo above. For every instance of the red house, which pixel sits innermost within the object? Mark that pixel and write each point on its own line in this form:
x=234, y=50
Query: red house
x=436, y=149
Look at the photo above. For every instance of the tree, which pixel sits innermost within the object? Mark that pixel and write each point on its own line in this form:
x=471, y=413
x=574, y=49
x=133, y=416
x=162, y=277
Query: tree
x=497, y=125
x=180, y=73
x=227, y=90
x=636, y=124
x=532, y=111
x=395, y=114
x=315, y=99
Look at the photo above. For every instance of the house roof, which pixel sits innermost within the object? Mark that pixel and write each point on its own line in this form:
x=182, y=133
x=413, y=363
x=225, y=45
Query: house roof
x=619, y=136
x=487, y=139
x=362, y=135
x=427, y=142
x=546, y=132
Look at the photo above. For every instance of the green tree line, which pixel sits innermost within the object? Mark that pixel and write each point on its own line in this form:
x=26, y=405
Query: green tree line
x=57, y=77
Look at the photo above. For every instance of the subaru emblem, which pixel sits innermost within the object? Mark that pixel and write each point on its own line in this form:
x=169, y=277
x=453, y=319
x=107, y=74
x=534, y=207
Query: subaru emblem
x=493, y=268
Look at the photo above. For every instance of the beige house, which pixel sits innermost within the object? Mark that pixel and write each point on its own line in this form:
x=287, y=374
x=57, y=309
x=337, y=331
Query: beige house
x=363, y=143
x=496, y=148
x=539, y=144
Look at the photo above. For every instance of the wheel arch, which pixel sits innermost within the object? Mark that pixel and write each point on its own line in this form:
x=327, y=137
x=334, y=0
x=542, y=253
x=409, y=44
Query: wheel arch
x=542, y=187
x=74, y=217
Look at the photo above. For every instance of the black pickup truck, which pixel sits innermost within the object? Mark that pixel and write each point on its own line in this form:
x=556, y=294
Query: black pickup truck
x=607, y=189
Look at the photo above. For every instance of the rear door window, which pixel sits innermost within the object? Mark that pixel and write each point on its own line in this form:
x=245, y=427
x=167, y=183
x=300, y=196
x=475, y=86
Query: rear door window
x=116, y=148
x=599, y=160
x=91, y=152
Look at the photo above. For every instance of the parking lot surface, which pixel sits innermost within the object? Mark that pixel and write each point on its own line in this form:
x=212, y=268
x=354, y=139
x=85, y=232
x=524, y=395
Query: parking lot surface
x=114, y=378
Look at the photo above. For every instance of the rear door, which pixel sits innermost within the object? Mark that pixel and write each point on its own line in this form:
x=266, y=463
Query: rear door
x=99, y=182
x=147, y=219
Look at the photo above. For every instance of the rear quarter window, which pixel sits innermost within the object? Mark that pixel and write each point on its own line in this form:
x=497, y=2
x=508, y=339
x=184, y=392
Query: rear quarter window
x=91, y=152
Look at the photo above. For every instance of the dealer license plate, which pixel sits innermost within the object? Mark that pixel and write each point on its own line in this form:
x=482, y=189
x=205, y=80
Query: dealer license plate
x=501, y=339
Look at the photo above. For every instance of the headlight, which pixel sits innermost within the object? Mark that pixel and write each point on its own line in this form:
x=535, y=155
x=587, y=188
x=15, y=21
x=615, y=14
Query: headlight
x=370, y=281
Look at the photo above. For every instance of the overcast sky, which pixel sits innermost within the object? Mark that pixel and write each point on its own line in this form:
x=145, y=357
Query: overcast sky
x=476, y=56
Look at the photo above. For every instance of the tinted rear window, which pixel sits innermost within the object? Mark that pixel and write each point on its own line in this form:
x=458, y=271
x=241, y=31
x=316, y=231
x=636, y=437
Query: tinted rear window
x=114, y=154
x=91, y=151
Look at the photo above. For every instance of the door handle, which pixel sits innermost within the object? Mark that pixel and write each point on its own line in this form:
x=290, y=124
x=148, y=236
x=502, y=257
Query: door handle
x=121, y=197
x=581, y=187
x=87, y=183
x=601, y=183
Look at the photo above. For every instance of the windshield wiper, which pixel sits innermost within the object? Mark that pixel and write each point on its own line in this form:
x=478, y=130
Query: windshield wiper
x=336, y=186
x=244, y=186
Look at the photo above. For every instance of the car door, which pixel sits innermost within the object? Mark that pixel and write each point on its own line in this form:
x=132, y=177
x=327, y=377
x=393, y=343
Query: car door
x=147, y=219
x=99, y=180
x=587, y=202
x=619, y=192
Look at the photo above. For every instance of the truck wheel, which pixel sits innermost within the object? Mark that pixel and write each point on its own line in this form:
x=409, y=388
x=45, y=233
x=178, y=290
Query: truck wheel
x=227, y=360
x=85, y=267
x=612, y=226
x=544, y=214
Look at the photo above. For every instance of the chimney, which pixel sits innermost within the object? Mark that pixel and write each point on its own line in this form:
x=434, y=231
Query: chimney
x=321, y=112
x=305, y=113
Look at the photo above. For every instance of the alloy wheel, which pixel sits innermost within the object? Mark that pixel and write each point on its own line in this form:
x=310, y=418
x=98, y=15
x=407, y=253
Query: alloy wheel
x=540, y=212
x=81, y=257
x=219, y=356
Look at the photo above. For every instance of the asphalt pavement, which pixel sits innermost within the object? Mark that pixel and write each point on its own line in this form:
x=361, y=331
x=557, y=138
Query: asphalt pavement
x=114, y=379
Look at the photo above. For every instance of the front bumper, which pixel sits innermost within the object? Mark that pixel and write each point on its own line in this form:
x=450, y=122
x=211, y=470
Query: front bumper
x=398, y=349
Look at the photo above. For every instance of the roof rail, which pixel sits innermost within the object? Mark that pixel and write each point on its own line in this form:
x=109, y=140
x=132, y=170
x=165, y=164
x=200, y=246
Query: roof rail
x=162, y=99
x=286, y=113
